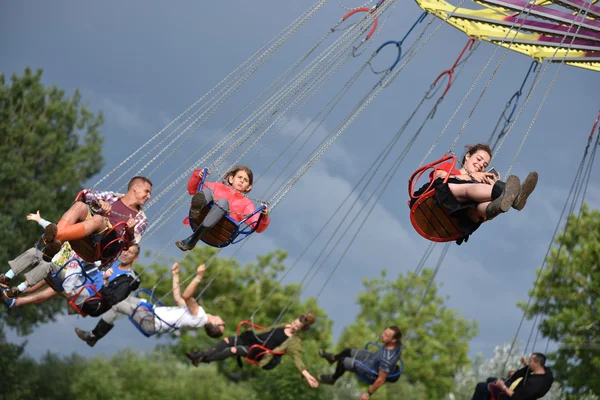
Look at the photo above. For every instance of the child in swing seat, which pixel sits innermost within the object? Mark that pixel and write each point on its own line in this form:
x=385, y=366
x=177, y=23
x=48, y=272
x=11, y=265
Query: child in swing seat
x=228, y=198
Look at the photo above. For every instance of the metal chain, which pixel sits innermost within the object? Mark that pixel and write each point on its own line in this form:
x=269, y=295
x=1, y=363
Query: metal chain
x=539, y=109
x=528, y=7
x=380, y=86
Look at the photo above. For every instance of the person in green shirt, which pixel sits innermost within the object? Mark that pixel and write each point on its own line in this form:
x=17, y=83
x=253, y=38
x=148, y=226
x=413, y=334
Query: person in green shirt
x=265, y=347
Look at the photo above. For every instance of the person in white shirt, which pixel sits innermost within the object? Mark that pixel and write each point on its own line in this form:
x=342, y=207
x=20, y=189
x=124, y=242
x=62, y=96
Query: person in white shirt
x=160, y=319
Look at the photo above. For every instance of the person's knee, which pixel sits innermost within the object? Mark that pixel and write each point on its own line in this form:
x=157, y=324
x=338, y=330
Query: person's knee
x=482, y=387
x=80, y=208
x=222, y=204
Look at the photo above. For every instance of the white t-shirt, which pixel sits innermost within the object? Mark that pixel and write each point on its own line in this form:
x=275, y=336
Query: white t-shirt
x=170, y=318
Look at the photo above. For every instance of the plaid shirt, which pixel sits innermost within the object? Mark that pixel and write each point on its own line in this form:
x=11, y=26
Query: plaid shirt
x=91, y=196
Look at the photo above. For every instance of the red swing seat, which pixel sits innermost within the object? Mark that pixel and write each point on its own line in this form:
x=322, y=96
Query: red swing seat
x=430, y=220
x=95, y=297
x=256, y=351
x=111, y=244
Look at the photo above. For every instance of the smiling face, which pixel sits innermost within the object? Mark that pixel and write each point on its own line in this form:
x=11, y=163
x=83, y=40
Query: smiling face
x=141, y=192
x=240, y=181
x=129, y=256
x=477, y=162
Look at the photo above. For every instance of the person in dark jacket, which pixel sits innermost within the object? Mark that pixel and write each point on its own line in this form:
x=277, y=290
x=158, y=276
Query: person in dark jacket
x=531, y=382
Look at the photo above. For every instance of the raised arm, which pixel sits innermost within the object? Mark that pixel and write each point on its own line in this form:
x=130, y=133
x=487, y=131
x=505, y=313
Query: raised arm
x=188, y=293
x=176, y=288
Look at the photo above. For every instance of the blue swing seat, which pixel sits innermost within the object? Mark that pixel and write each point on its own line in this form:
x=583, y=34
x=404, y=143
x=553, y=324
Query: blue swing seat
x=367, y=375
x=55, y=281
x=148, y=307
x=227, y=231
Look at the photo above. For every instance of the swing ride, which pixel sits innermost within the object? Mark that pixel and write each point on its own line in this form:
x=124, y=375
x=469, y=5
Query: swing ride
x=550, y=32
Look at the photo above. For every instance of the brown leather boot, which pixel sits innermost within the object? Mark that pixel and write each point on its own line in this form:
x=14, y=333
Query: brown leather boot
x=526, y=189
x=11, y=293
x=4, y=281
x=198, y=204
x=503, y=203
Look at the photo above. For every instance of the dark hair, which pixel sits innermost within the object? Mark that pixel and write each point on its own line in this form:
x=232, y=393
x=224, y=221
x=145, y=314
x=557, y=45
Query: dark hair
x=232, y=172
x=213, y=330
x=136, y=179
x=539, y=358
x=397, y=333
x=474, y=148
x=138, y=248
x=306, y=320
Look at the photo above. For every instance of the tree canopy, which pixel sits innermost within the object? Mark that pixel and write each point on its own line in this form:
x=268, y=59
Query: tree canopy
x=50, y=145
x=567, y=297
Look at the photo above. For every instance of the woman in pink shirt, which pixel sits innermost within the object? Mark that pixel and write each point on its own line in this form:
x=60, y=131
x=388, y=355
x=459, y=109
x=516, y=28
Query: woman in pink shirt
x=228, y=197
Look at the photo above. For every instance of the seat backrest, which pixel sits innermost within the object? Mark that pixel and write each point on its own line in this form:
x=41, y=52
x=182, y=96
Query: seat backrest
x=433, y=222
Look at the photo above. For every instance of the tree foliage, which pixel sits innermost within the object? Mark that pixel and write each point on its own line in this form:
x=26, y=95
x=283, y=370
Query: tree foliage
x=567, y=296
x=50, y=145
x=437, y=338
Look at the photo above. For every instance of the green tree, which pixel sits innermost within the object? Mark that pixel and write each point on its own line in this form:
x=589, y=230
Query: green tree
x=237, y=292
x=436, y=343
x=567, y=296
x=50, y=145
x=153, y=376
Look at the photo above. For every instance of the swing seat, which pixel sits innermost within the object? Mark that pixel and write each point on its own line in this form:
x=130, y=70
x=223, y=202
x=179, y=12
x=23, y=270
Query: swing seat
x=105, y=246
x=108, y=248
x=55, y=281
x=147, y=308
x=93, y=303
x=367, y=375
x=227, y=231
x=257, y=351
x=430, y=220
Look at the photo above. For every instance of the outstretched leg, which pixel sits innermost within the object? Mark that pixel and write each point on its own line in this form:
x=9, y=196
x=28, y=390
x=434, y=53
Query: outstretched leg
x=107, y=322
x=222, y=350
x=75, y=224
x=219, y=209
x=344, y=361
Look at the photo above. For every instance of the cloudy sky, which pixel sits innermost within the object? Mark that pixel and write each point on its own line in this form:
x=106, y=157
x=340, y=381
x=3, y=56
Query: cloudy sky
x=144, y=62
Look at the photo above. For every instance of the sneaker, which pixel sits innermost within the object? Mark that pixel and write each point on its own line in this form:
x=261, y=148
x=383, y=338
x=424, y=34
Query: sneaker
x=326, y=379
x=527, y=188
x=328, y=356
x=86, y=336
x=198, y=204
x=196, y=357
x=503, y=203
x=7, y=298
x=4, y=281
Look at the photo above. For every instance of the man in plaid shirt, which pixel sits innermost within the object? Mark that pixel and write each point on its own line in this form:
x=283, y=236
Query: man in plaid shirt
x=100, y=211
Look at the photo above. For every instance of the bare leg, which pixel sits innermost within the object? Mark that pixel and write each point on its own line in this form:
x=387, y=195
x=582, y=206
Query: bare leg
x=34, y=288
x=74, y=224
x=77, y=213
x=477, y=192
x=35, y=298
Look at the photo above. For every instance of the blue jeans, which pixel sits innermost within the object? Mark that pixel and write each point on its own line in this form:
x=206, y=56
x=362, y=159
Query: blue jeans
x=481, y=390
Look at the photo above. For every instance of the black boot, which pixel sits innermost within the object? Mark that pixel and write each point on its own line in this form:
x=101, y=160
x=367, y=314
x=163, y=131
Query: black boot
x=328, y=356
x=196, y=357
x=101, y=330
x=190, y=242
